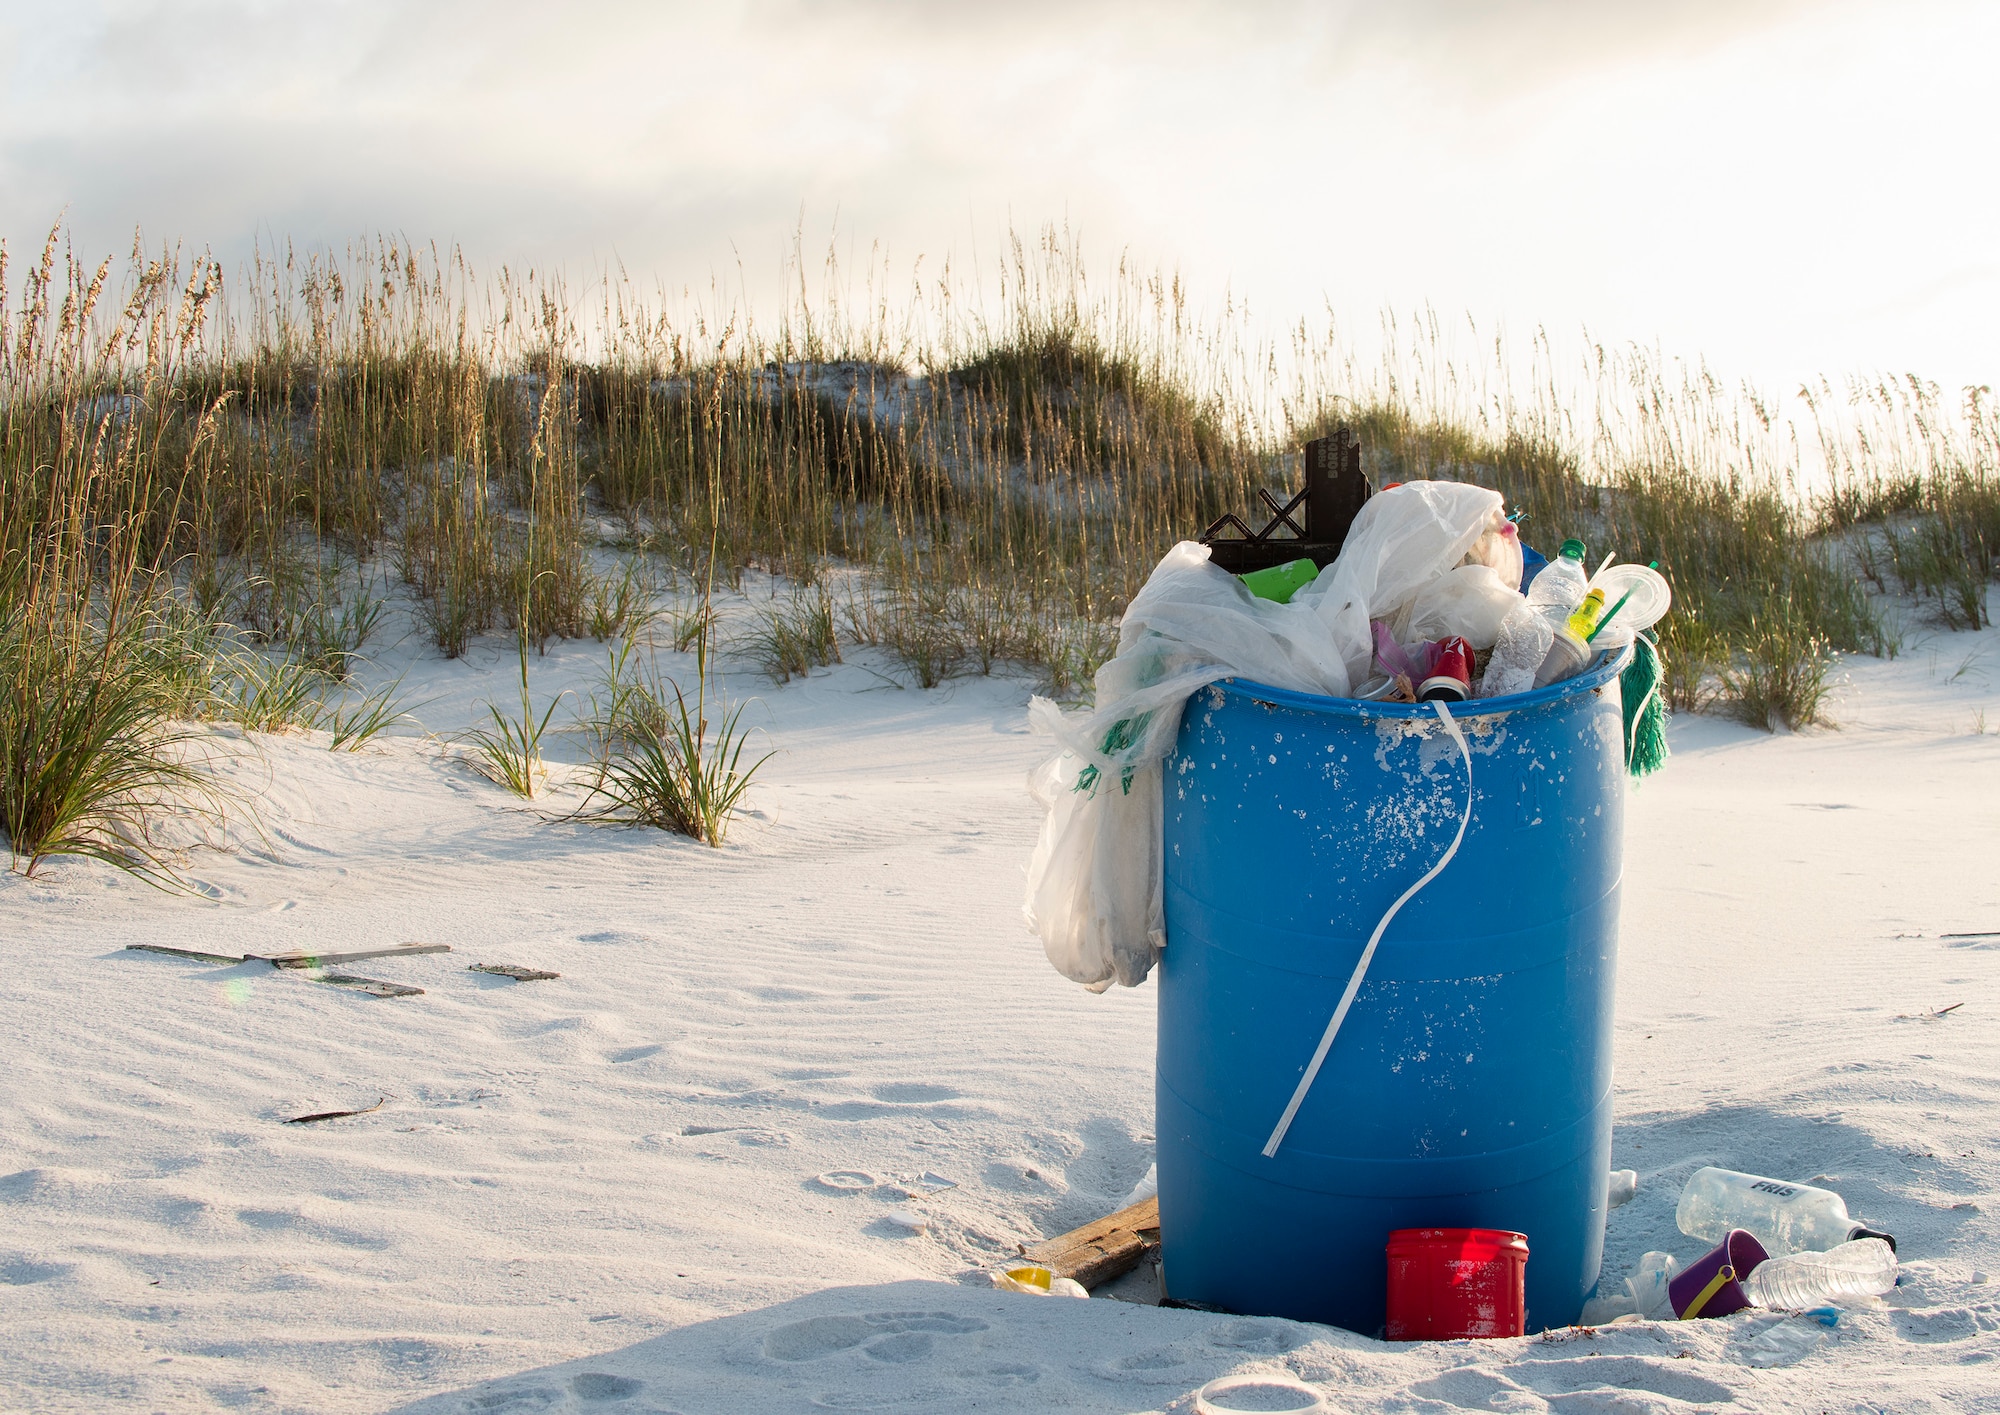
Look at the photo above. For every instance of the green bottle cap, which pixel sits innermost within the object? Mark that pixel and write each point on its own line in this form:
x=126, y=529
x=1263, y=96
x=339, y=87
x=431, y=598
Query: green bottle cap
x=1572, y=549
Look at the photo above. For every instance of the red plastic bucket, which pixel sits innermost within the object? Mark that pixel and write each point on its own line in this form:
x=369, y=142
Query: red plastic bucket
x=1447, y=1283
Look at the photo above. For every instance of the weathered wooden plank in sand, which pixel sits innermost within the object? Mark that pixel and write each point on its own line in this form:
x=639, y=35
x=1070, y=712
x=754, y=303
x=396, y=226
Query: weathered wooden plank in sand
x=297, y=958
x=510, y=970
x=1100, y=1251
x=374, y=986
x=182, y=953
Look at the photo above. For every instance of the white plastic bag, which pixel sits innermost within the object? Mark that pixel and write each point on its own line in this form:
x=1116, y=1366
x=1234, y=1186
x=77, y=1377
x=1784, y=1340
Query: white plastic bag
x=1094, y=880
x=1469, y=601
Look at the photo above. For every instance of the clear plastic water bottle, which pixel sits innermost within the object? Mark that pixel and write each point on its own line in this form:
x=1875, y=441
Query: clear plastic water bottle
x=1785, y=1217
x=1560, y=587
x=1863, y=1268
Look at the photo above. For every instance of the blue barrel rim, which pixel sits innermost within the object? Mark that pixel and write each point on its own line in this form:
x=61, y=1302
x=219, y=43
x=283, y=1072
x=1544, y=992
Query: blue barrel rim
x=1608, y=666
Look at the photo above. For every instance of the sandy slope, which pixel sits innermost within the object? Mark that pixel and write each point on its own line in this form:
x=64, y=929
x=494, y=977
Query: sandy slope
x=616, y=1170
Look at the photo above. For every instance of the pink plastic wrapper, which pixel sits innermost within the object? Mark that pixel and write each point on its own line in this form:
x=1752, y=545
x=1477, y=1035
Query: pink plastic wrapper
x=1392, y=658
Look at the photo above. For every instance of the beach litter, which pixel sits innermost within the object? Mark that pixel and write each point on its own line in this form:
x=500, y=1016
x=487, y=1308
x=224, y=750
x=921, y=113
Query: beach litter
x=313, y=964
x=1107, y=1248
x=1271, y=1394
x=1037, y=1281
x=320, y=1115
x=510, y=970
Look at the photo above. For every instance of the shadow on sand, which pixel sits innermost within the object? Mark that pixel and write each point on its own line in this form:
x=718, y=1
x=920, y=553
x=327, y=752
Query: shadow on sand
x=905, y=1345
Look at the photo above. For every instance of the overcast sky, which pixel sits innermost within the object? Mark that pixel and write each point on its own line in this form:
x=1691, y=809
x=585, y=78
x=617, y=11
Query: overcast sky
x=1781, y=187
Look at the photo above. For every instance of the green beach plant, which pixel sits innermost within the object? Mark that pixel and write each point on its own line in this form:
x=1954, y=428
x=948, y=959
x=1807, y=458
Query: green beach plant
x=675, y=770
x=91, y=755
x=510, y=751
x=352, y=727
x=266, y=694
x=794, y=638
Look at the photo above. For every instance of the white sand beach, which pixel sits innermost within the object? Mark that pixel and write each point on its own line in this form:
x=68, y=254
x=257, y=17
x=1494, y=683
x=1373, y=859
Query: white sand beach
x=599, y=1192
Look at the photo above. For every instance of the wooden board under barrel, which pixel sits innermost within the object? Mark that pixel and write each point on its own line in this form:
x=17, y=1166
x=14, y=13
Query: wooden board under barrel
x=1103, y=1250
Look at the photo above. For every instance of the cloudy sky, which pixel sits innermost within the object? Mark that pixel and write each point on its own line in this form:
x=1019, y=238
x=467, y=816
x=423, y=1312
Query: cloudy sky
x=1781, y=187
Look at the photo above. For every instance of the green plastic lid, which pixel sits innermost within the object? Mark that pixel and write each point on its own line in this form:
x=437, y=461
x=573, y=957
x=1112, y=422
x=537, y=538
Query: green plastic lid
x=1572, y=549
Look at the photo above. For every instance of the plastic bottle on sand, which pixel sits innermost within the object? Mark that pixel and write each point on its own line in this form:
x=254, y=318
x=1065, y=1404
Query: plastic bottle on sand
x=1785, y=1217
x=1862, y=1268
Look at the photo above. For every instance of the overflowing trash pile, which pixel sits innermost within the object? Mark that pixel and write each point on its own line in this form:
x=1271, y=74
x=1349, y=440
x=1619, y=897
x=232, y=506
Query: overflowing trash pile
x=1431, y=597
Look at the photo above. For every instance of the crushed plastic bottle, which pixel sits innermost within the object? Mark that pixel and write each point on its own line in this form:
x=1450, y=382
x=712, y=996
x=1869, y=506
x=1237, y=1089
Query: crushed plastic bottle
x=1525, y=636
x=1647, y=1286
x=1784, y=1217
x=1799, y=1281
x=1642, y=1296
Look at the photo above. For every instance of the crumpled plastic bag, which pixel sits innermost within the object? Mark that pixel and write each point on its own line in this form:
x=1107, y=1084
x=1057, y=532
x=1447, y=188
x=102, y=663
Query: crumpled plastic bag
x=1094, y=881
x=1500, y=549
x=1470, y=601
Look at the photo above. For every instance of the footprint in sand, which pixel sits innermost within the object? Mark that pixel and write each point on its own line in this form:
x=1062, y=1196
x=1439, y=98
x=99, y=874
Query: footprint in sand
x=520, y=1400
x=1942, y=1324
x=638, y=1053
x=1160, y=1366
x=23, y=1272
x=894, y=1337
x=1262, y=1335
x=1584, y=1383
x=596, y=1385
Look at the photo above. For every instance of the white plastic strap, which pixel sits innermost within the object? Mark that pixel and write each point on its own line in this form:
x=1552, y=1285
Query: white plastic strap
x=1368, y=953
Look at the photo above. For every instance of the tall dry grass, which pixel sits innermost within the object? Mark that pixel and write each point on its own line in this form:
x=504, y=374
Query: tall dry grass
x=183, y=455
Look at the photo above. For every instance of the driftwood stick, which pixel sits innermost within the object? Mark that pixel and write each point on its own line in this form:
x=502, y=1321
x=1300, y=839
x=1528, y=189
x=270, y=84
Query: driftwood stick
x=334, y=1114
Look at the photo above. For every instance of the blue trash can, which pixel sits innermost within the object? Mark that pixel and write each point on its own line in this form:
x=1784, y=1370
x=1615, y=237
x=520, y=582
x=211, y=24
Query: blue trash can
x=1470, y=1084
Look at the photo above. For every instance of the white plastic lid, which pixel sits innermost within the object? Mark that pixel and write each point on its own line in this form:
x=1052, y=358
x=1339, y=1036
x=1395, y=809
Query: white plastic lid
x=1651, y=597
x=1273, y=1394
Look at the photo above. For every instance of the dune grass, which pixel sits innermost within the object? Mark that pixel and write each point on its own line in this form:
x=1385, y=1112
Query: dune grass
x=188, y=464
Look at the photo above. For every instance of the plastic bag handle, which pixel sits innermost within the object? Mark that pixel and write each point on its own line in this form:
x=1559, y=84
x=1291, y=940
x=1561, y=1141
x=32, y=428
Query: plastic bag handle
x=1368, y=953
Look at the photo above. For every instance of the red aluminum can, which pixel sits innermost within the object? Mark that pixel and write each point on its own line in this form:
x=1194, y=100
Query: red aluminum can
x=1451, y=675
x=1448, y=1283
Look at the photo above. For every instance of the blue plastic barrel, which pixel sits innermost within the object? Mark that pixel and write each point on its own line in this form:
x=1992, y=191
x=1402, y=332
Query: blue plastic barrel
x=1470, y=1085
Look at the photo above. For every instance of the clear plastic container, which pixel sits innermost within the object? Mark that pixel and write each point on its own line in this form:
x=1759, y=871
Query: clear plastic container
x=1863, y=1268
x=1560, y=587
x=1784, y=1217
x=1566, y=658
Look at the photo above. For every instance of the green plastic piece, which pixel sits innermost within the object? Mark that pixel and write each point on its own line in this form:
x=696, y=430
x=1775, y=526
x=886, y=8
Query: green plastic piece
x=1645, y=710
x=1572, y=549
x=1281, y=582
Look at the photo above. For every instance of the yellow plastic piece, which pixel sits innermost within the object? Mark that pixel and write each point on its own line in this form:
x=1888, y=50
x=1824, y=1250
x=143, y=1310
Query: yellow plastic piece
x=1723, y=1277
x=1584, y=620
